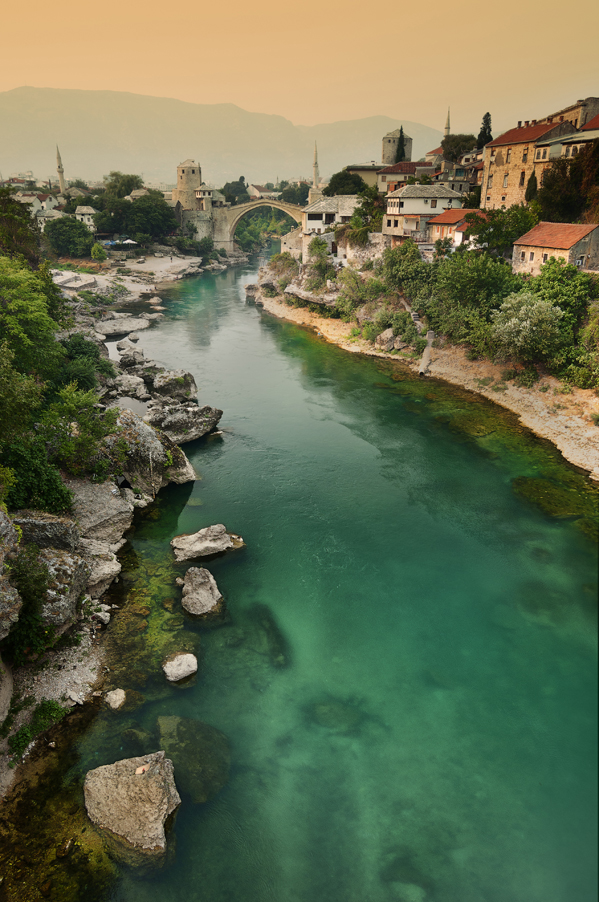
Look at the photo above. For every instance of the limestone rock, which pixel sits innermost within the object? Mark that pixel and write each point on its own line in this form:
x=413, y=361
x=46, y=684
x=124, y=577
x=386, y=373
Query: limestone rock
x=179, y=666
x=399, y=345
x=200, y=754
x=183, y=422
x=130, y=801
x=68, y=578
x=385, y=341
x=47, y=530
x=10, y=600
x=176, y=384
x=103, y=512
x=205, y=543
x=116, y=699
x=201, y=596
x=131, y=386
x=103, y=563
x=122, y=325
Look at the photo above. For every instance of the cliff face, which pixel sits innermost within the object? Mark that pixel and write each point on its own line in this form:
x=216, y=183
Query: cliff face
x=10, y=600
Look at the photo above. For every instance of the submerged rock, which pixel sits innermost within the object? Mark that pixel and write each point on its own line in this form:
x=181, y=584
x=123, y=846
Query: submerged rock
x=205, y=543
x=201, y=596
x=179, y=666
x=130, y=802
x=183, y=422
x=200, y=754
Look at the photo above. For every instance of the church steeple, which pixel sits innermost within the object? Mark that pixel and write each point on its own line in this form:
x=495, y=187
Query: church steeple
x=315, y=173
x=60, y=169
x=447, y=124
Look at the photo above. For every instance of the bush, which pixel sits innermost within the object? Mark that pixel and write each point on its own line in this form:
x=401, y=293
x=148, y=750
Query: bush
x=70, y=237
x=74, y=430
x=45, y=715
x=527, y=327
x=527, y=377
x=29, y=635
x=36, y=482
x=98, y=252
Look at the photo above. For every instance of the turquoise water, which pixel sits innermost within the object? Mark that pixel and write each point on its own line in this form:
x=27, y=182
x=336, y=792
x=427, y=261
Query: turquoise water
x=432, y=736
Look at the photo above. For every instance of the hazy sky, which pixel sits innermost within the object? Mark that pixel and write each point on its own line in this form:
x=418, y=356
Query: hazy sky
x=317, y=62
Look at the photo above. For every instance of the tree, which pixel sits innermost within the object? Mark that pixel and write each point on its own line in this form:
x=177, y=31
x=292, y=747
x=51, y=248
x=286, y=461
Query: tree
x=121, y=185
x=296, y=194
x=98, y=252
x=70, y=237
x=569, y=190
x=344, y=182
x=400, y=153
x=79, y=183
x=485, y=134
x=151, y=215
x=25, y=323
x=527, y=327
x=19, y=231
x=236, y=192
x=531, y=188
x=455, y=145
x=113, y=219
x=497, y=230
x=19, y=396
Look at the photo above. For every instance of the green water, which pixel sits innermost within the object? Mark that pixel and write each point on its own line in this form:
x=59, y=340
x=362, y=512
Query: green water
x=432, y=736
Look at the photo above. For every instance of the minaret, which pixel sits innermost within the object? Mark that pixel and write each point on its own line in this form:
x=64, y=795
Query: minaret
x=60, y=169
x=315, y=173
x=447, y=124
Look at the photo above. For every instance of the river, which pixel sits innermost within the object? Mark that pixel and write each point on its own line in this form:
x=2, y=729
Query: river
x=425, y=730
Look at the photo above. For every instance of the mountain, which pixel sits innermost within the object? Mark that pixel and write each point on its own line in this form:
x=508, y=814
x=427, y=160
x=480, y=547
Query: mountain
x=102, y=130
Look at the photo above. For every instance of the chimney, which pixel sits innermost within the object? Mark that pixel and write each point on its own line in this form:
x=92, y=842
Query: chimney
x=534, y=122
x=526, y=124
x=519, y=123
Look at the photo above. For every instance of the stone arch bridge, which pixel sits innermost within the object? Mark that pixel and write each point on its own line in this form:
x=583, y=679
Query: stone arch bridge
x=225, y=219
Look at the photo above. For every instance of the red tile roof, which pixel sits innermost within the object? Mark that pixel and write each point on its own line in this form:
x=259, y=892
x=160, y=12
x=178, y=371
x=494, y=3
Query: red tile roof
x=560, y=235
x=437, y=150
x=591, y=124
x=523, y=135
x=450, y=217
x=406, y=166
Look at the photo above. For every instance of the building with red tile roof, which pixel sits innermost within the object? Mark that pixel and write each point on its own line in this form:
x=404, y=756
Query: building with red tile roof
x=591, y=124
x=574, y=243
x=450, y=224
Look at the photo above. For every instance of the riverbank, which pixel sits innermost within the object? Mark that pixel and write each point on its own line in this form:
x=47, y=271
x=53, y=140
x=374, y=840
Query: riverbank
x=563, y=419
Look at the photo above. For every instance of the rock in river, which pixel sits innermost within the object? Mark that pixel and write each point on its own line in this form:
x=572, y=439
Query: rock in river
x=179, y=666
x=201, y=596
x=200, y=754
x=182, y=422
x=122, y=325
x=130, y=801
x=205, y=543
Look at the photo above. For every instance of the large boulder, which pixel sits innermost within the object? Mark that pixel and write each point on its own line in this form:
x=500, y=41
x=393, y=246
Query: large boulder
x=130, y=802
x=182, y=422
x=201, y=596
x=10, y=600
x=69, y=573
x=122, y=325
x=200, y=754
x=152, y=460
x=102, y=510
x=176, y=384
x=207, y=542
x=103, y=563
x=179, y=666
x=385, y=341
x=47, y=530
x=131, y=387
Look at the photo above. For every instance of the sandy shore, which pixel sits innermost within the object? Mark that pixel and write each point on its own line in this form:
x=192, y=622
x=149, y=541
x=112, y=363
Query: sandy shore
x=563, y=419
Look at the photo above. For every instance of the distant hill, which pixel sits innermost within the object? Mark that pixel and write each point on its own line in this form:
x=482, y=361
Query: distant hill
x=102, y=130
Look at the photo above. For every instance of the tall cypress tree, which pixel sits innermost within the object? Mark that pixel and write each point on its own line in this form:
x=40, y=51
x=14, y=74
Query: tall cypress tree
x=400, y=153
x=485, y=134
x=531, y=188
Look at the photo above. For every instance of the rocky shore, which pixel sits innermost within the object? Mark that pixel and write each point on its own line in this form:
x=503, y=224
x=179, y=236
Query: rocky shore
x=564, y=418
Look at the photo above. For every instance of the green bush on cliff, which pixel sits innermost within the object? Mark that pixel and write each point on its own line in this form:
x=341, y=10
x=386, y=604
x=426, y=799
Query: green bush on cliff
x=36, y=482
x=29, y=635
x=74, y=430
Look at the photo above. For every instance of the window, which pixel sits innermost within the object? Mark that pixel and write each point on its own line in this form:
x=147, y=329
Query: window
x=505, y=179
x=488, y=197
x=522, y=256
x=508, y=156
x=438, y=229
x=401, y=203
x=315, y=216
x=531, y=256
x=193, y=171
x=183, y=171
x=574, y=151
x=538, y=156
x=490, y=183
x=383, y=178
x=525, y=155
x=434, y=202
x=568, y=149
x=545, y=153
x=503, y=196
x=522, y=177
x=545, y=258
x=395, y=223
x=388, y=223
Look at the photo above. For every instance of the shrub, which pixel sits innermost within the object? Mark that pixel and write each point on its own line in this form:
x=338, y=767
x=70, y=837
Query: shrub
x=98, y=252
x=74, y=430
x=527, y=377
x=29, y=635
x=527, y=327
x=36, y=482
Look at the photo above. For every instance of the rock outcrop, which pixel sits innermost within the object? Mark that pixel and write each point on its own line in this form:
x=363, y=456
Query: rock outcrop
x=47, y=530
x=122, y=325
x=152, y=460
x=182, y=422
x=179, y=666
x=207, y=542
x=201, y=596
x=103, y=563
x=10, y=600
x=200, y=754
x=69, y=573
x=177, y=384
x=102, y=510
x=130, y=802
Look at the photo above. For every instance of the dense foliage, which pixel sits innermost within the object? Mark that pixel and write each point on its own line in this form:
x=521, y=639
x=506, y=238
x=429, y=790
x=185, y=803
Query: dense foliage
x=496, y=231
x=258, y=225
x=455, y=145
x=148, y=217
x=485, y=134
x=296, y=194
x=19, y=231
x=570, y=188
x=69, y=236
x=29, y=635
x=236, y=192
x=344, y=182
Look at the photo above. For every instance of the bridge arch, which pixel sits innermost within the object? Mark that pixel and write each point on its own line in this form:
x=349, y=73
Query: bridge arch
x=234, y=214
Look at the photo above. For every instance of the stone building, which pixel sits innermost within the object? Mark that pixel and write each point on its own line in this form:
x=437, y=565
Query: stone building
x=410, y=208
x=450, y=224
x=577, y=244
x=509, y=161
x=189, y=179
x=86, y=216
x=392, y=177
x=577, y=114
x=390, y=143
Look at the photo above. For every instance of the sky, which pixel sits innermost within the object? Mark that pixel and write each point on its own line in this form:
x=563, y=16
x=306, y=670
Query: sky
x=314, y=62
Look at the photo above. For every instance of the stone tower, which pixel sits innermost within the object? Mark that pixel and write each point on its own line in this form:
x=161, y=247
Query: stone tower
x=447, y=125
x=189, y=179
x=60, y=169
x=390, y=143
x=315, y=173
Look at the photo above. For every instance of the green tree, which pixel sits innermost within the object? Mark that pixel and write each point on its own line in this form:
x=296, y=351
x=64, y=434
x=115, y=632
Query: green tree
x=531, y=188
x=400, y=153
x=25, y=324
x=296, y=194
x=527, y=327
x=455, y=145
x=569, y=190
x=485, y=134
x=74, y=432
x=150, y=215
x=114, y=218
x=19, y=231
x=236, y=192
x=79, y=183
x=344, y=182
x=98, y=252
x=19, y=396
x=69, y=237
x=497, y=230
x=121, y=184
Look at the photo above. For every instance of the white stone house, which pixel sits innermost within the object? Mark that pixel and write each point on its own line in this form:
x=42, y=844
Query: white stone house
x=86, y=216
x=31, y=199
x=257, y=192
x=576, y=244
x=327, y=212
x=410, y=208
